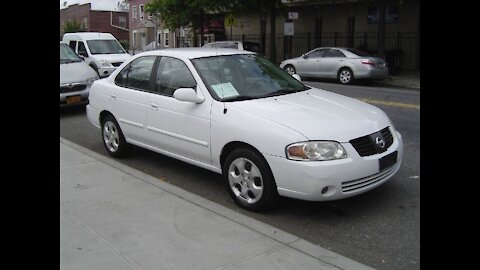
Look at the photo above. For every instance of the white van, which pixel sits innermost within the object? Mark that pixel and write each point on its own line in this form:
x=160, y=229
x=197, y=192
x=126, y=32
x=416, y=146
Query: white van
x=101, y=51
x=76, y=77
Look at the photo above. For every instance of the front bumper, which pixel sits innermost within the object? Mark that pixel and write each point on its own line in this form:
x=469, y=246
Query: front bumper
x=336, y=179
x=70, y=95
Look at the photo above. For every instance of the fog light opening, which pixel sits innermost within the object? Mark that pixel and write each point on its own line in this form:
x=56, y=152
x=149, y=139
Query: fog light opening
x=328, y=191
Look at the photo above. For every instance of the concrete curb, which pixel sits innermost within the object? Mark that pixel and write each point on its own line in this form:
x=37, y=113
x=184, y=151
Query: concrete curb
x=291, y=241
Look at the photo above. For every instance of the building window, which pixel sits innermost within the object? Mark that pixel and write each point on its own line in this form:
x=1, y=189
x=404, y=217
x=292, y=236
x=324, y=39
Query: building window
x=141, y=12
x=85, y=23
x=165, y=38
x=134, y=13
x=122, y=21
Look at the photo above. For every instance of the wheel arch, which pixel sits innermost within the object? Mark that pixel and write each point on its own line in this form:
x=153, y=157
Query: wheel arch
x=231, y=146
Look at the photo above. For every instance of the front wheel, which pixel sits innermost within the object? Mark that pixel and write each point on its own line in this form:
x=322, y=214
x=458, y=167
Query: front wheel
x=345, y=76
x=113, y=138
x=249, y=180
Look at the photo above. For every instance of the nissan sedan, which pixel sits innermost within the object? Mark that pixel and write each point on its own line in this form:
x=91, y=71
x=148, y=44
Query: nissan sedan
x=239, y=115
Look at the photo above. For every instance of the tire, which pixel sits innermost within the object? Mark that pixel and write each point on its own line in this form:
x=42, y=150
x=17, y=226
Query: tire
x=290, y=69
x=249, y=180
x=345, y=76
x=113, y=139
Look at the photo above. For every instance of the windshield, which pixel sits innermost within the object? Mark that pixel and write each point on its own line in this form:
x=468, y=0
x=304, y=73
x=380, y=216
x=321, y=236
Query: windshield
x=67, y=55
x=242, y=77
x=108, y=46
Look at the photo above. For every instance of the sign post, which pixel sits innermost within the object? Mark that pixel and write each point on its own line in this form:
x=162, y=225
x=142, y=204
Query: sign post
x=231, y=21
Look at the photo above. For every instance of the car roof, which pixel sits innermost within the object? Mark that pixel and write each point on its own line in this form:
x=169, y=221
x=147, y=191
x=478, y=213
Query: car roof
x=196, y=52
x=91, y=35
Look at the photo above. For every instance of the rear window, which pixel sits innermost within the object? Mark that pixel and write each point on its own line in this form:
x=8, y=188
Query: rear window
x=359, y=53
x=251, y=46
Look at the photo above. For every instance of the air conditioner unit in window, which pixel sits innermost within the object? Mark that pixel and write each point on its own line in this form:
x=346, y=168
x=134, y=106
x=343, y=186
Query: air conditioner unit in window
x=150, y=17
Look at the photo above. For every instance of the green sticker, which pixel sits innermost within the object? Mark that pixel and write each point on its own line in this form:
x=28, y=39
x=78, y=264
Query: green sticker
x=225, y=90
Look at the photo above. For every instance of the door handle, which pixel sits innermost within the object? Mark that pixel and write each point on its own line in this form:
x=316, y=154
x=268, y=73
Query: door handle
x=154, y=106
x=113, y=96
x=341, y=60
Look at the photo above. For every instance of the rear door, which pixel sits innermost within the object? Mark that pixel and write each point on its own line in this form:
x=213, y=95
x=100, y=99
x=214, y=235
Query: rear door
x=129, y=96
x=331, y=62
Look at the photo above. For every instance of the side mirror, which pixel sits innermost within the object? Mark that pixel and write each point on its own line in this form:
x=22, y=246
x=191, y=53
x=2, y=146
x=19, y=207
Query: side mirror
x=296, y=76
x=83, y=53
x=188, y=95
x=303, y=56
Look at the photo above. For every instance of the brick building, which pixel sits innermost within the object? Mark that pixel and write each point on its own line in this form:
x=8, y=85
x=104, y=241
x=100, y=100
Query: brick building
x=109, y=21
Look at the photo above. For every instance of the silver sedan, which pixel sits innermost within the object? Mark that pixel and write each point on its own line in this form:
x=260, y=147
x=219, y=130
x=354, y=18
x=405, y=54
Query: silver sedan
x=343, y=64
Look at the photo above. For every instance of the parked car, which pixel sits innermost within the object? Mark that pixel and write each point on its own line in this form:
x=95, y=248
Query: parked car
x=101, y=51
x=246, y=45
x=237, y=114
x=76, y=77
x=343, y=64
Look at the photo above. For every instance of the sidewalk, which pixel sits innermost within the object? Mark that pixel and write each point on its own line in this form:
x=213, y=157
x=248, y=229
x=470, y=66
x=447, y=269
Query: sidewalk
x=411, y=81
x=115, y=217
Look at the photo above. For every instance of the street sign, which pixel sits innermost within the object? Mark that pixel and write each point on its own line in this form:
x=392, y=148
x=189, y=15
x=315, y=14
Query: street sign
x=231, y=20
x=293, y=15
x=288, y=29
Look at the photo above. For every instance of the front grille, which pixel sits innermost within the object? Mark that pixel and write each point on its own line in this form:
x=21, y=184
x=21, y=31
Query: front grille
x=353, y=185
x=116, y=64
x=67, y=88
x=367, y=145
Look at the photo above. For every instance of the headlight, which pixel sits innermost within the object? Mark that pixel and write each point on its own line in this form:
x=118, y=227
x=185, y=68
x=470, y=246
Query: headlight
x=315, y=150
x=90, y=81
x=105, y=63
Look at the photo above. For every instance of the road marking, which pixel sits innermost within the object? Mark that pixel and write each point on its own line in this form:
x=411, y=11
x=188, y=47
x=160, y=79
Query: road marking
x=389, y=103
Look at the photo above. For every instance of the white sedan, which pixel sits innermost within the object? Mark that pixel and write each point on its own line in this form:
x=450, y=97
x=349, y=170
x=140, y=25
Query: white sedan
x=239, y=115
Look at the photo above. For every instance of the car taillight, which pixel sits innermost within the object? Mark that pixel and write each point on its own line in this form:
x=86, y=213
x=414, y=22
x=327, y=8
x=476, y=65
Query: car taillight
x=368, y=62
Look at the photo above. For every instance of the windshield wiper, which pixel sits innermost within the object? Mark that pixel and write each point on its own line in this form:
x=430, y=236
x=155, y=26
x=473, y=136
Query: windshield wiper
x=284, y=91
x=239, y=98
x=68, y=61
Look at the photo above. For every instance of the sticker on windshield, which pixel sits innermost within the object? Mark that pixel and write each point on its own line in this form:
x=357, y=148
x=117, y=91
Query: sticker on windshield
x=225, y=90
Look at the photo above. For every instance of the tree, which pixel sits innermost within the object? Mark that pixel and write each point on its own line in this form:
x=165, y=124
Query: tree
x=176, y=13
x=72, y=26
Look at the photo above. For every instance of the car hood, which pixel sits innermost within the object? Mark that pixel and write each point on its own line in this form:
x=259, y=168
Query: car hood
x=112, y=58
x=76, y=72
x=318, y=114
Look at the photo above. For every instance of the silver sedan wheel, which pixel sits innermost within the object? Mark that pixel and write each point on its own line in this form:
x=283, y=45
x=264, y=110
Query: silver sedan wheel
x=245, y=180
x=110, y=136
x=290, y=70
x=345, y=76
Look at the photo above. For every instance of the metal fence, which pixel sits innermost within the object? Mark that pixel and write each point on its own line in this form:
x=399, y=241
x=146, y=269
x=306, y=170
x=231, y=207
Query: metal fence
x=402, y=51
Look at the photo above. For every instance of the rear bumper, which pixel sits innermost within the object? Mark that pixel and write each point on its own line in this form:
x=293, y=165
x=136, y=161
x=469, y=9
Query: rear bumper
x=373, y=73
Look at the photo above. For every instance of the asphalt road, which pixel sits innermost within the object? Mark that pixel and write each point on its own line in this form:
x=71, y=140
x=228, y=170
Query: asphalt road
x=380, y=228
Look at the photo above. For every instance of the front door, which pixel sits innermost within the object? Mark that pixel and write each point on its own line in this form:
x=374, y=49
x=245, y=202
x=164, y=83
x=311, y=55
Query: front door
x=178, y=127
x=309, y=64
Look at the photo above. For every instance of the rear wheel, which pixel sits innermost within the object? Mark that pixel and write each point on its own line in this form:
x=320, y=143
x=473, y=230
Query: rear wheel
x=345, y=76
x=290, y=69
x=249, y=180
x=113, y=138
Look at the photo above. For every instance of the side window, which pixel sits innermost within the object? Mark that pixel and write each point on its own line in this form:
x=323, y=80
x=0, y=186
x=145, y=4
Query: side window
x=121, y=79
x=137, y=74
x=73, y=45
x=81, y=49
x=172, y=74
x=334, y=53
x=316, y=54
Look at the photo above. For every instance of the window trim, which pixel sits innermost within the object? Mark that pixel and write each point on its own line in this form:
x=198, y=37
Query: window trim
x=134, y=13
x=151, y=79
